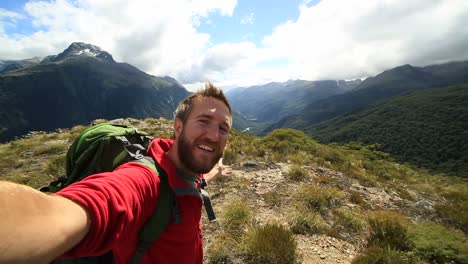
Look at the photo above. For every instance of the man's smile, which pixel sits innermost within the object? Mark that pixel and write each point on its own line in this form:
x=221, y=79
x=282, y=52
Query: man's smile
x=205, y=148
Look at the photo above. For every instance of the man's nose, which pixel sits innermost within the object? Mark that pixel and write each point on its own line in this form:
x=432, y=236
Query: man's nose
x=212, y=133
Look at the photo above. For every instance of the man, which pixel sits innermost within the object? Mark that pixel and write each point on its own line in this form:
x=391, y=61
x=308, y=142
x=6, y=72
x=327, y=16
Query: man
x=106, y=211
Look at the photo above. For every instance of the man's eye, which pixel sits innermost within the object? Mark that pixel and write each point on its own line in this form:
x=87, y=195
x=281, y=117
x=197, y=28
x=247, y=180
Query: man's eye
x=224, y=130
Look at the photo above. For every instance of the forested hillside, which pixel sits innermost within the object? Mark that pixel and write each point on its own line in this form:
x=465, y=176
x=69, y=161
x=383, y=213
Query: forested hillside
x=427, y=128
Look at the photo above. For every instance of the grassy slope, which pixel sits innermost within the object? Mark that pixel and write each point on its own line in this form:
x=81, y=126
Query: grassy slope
x=316, y=197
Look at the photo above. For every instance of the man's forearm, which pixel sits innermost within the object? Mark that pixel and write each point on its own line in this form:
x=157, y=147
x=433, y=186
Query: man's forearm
x=36, y=227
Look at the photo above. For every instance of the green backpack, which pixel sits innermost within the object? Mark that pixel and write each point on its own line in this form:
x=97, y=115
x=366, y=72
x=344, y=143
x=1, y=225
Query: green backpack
x=102, y=148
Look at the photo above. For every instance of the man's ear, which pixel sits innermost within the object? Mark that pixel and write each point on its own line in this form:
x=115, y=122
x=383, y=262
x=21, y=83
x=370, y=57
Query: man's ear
x=178, y=127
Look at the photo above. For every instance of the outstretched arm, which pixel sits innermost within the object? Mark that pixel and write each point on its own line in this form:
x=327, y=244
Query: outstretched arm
x=37, y=227
x=218, y=171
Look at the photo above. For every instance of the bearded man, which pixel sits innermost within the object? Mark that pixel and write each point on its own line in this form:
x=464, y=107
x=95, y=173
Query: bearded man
x=106, y=211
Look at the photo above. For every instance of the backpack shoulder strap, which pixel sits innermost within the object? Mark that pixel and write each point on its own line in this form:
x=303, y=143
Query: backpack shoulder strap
x=166, y=207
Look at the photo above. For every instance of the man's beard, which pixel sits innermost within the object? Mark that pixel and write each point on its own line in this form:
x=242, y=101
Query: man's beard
x=185, y=151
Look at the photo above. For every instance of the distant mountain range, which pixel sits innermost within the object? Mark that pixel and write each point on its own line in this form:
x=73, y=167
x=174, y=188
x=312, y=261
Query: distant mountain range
x=273, y=101
x=79, y=85
x=390, y=83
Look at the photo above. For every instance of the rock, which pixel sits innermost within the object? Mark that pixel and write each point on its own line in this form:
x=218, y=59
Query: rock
x=250, y=163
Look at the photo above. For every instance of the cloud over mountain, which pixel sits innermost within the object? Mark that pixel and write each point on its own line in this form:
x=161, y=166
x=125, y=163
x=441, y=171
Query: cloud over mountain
x=329, y=40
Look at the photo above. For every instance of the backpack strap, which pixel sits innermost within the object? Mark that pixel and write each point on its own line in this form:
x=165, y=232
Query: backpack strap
x=208, y=207
x=166, y=208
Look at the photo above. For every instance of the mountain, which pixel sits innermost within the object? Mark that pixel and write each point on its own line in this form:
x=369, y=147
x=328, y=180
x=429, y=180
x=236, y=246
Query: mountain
x=273, y=101
x=12, y=65
x=79, y=85
x=428, y=128
x=390, y=83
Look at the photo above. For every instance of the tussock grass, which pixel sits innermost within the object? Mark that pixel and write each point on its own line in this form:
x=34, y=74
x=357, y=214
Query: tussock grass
x=235, y=216
x=346, y=222
x=378, y=255
x=56, y=166
x=270, y=244
x=319, y=199
x=300, y=158
x=437, y=243
x=51, y=147
x=35, y=178
x=308, y=223
x=389, y=230
x=296, y=173
x=223, y=249
x=455, y=208
x=9, y=158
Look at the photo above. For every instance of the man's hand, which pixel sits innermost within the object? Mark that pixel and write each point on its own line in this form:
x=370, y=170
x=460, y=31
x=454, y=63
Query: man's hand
x=219, y=170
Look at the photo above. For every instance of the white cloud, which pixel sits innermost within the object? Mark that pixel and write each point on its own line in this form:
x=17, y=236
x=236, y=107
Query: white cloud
x=355, y=38
x=158, y=36
x=332, y=39
x=248, y=19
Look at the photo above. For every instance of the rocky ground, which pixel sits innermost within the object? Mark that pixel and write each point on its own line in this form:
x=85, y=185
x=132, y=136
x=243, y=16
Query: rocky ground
x=253, y=180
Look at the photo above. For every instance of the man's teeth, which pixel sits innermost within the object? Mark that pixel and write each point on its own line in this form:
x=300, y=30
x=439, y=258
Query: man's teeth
x=206, y=148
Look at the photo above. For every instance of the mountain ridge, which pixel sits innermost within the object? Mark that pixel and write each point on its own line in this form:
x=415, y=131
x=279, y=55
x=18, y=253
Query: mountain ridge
x=389, y=83
x=77, y=86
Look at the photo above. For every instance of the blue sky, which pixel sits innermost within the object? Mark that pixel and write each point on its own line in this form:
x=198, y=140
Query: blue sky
x=243, y=42
x=251, y=20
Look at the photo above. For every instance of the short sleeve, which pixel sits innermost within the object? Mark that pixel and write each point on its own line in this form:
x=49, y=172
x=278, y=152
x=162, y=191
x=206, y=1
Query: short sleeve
x=118, y=202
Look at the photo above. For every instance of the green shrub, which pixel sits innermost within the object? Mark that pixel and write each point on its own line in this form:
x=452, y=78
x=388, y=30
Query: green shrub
x=319, y=198
x=270, y=244
x=297, y=173
x=334, y=156
x=308, y=224
x=222, y=249
x=235, y=215
x=385, y=170
x=456, y=206
x=438, y=244
x=377, y=255
x=346, y=221
x=288, y=141
x=388, y=230
x=300, y=158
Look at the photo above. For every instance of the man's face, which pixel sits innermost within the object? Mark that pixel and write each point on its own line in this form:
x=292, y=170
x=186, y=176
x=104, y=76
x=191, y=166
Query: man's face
x=203, y=136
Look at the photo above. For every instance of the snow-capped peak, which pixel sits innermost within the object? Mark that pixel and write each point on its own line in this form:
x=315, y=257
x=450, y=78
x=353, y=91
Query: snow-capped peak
x=83, y=49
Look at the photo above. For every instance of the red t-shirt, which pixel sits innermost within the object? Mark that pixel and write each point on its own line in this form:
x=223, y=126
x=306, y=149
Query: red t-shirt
x=120, y=202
